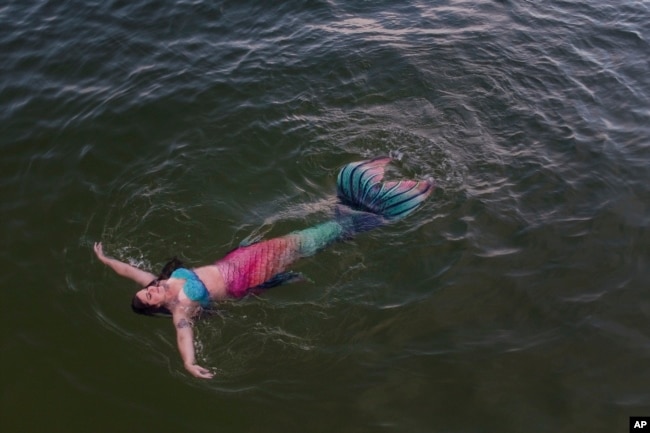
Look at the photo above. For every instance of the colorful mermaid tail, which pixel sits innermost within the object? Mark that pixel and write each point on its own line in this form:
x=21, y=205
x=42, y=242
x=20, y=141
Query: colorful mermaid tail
x=359, y=186
x=366, y=203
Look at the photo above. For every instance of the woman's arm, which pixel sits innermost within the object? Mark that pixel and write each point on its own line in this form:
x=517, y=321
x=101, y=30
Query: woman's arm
x=185, y=340
x=124, y=269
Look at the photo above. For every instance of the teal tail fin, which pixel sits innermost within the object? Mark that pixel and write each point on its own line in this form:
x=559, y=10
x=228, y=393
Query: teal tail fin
x=360, y=186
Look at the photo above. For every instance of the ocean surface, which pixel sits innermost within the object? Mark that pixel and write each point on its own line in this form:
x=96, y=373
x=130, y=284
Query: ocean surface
x=517, y=299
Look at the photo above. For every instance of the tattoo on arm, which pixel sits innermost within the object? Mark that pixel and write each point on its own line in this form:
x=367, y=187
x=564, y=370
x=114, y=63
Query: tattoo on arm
x=183, y=323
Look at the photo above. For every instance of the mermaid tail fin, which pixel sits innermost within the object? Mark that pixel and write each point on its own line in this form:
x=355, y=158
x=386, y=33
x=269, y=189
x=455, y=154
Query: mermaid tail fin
x=360, y=186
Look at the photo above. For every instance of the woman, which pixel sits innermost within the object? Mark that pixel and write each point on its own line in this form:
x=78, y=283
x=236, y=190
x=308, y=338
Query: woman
x=365, y=203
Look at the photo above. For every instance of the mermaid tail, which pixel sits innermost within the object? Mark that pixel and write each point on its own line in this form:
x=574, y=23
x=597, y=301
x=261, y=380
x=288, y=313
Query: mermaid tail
x=366, y=203
x=359, y=185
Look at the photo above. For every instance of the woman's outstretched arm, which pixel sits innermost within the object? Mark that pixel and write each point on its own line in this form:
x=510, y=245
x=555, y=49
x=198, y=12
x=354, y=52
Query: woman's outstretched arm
x=185, y=341
x=123, y=269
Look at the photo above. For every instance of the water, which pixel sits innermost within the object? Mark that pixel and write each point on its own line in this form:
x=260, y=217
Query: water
x=515, y=300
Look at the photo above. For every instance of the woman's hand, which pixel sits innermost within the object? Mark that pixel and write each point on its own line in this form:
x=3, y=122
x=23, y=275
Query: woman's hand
x=198, y=371
x=99, y=252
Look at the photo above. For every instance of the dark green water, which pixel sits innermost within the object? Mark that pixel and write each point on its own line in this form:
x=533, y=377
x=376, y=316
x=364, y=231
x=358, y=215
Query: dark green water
x=516, y=300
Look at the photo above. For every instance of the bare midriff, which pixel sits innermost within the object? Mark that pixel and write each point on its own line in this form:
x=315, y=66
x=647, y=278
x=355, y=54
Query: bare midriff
x=213, y=280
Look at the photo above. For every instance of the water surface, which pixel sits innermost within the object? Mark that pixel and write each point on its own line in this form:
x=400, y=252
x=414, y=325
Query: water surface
x=515, y=300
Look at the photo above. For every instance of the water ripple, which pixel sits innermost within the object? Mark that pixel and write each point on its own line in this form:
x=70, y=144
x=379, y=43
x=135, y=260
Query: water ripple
x=183, y=128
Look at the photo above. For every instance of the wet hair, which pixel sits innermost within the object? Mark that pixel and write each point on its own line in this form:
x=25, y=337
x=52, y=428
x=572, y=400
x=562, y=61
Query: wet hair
x=140, y=307
x=166, y=272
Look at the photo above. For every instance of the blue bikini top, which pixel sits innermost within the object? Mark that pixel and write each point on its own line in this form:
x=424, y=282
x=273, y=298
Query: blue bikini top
x=193, y=287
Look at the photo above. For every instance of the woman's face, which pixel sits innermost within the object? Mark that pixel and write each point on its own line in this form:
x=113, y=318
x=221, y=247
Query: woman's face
x=153, y=295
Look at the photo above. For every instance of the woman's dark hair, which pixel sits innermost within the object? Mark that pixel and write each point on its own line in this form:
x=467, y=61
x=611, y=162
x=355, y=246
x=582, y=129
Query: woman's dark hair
x=140, y=307
x=147, y=310
x=166, y=272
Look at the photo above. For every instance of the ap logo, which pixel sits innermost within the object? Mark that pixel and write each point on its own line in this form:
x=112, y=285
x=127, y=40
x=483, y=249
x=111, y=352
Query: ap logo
x=640, y=424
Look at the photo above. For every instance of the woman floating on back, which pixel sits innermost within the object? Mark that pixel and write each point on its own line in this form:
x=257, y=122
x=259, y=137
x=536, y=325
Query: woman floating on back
x=365, y=203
